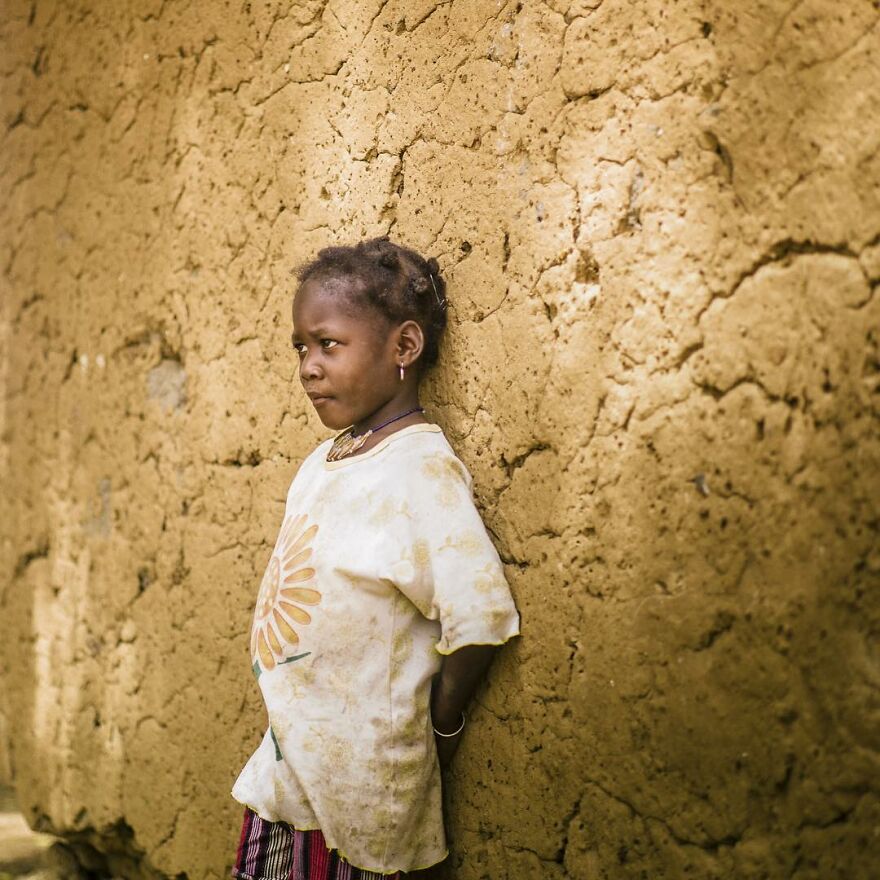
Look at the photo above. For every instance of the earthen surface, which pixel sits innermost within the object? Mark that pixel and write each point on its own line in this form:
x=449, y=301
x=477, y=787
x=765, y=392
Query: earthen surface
x=660, y=225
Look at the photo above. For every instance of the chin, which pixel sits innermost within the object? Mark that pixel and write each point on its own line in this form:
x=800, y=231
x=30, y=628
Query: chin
x=332, y=421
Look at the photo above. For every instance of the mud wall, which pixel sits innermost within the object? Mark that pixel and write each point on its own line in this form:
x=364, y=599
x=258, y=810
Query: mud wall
x=660, y=223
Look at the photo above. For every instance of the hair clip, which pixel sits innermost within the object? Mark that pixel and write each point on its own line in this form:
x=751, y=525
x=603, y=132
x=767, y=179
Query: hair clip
x=440, y=302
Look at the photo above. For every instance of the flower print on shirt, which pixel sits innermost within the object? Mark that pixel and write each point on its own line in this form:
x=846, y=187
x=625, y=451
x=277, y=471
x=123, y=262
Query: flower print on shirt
x=273, y=638
x=446, y=474
x=490, y=578
x=468, y=543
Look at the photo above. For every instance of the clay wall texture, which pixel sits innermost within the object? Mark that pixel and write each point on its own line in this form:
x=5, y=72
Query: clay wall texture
x=660, y=224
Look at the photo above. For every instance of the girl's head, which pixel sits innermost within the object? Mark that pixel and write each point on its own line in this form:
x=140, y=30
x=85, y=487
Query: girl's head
x=361, y=313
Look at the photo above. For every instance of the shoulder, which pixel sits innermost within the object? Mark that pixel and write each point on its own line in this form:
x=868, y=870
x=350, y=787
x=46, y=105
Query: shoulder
x=430, y=455
x=429, y=474
x=312, y=463
x=317, y=455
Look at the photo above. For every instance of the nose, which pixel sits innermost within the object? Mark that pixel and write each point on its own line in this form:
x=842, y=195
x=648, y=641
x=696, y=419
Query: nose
x=309, y=368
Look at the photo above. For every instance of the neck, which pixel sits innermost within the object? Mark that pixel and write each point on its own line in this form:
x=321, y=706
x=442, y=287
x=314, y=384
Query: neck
x=407, y=399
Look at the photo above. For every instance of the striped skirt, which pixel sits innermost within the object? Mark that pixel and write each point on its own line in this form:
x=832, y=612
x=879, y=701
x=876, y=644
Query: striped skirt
x=277, y=851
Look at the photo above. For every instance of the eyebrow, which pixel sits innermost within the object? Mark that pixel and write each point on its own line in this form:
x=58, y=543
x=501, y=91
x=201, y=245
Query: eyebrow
x=317, y=332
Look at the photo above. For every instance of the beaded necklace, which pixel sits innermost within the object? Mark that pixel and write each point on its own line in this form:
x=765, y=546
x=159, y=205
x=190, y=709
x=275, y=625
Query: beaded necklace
x=348, y=442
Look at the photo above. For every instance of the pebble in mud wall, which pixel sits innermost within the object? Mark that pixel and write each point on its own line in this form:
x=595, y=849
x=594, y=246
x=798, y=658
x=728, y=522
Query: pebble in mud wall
x=660, y=223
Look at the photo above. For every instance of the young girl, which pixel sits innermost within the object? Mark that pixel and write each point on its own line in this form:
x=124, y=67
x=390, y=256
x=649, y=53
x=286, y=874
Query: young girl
x=382, y=599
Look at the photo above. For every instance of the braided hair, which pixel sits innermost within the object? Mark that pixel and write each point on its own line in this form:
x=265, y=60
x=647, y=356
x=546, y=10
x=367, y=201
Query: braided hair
x=398, y=282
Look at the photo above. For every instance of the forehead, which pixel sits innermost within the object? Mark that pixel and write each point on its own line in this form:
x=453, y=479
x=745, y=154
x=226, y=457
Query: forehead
x=321, y=304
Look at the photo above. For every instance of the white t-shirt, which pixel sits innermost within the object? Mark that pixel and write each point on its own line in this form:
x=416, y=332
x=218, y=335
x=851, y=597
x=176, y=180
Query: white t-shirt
x=381, y=565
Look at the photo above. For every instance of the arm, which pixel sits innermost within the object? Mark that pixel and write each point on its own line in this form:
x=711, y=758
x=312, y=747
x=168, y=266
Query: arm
x=459, y=675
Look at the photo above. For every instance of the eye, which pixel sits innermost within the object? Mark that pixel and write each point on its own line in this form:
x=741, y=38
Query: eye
x=299, y=347
x=329, y=343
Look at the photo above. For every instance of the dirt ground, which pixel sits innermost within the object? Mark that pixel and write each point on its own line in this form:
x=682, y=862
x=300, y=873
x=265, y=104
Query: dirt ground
x=23, y=853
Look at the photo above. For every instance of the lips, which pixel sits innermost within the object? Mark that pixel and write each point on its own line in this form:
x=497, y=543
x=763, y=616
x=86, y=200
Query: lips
x=317, y=399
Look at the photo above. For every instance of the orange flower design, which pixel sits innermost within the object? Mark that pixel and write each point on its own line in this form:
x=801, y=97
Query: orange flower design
x=280, y=597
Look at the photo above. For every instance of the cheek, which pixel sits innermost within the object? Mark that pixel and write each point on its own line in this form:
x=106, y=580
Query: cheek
x=364, y=360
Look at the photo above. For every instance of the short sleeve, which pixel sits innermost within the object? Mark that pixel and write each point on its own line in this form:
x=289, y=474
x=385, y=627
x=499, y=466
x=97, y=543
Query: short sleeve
x=446, y=562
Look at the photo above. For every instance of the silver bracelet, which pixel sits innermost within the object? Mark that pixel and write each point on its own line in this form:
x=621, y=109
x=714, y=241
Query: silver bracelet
x=457, y=732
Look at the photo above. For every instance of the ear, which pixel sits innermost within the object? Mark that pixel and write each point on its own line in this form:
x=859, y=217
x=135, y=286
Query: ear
x=410, y=343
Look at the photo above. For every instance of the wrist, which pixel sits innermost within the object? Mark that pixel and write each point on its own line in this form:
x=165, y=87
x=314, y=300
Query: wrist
x=449, y=730
x=445, y=708
x=446, y=716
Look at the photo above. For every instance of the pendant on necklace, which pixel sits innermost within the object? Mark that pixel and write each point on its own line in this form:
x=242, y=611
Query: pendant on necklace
x=346, y=443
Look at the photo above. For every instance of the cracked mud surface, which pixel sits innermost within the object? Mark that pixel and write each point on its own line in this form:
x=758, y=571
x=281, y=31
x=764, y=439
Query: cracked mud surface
x=660, y=223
